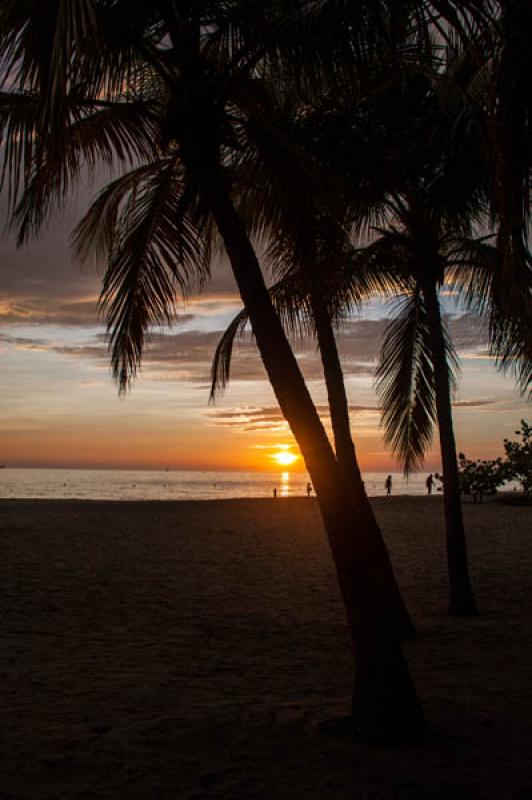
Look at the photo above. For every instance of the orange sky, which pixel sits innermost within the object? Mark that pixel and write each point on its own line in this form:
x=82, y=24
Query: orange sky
x=59, y=406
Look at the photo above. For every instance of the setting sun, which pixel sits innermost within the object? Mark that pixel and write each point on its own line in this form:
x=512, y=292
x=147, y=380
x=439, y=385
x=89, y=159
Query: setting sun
x=285, y=458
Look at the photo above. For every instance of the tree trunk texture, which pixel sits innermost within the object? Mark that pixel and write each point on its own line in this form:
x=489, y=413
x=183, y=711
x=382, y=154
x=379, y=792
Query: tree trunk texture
x=385, y=703
x=461, y=599
x=347, y=460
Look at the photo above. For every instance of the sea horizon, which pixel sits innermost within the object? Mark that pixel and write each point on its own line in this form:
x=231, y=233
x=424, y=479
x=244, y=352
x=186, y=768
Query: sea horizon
x=107, y=468
x=83, y=483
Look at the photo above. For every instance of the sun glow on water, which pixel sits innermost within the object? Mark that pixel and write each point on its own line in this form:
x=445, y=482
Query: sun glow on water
x=285, y=484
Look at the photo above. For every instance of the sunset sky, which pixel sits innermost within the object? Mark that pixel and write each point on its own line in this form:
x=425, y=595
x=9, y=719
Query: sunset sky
x=60, y=407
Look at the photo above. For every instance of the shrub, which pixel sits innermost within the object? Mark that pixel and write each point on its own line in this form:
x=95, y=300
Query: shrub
x=518, y=462
x=479, y=478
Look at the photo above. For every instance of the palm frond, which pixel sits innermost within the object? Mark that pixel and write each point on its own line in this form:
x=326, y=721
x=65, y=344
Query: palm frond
x=323, y=264
x=504, y=303
x=158, y=246
x=117, y=133
x=511, y=109
x=221, y=362
x=473, y=263
x=19, y=115
x=511, y=344
x=42, y=49
x=279, y=183
x=405, y=383
x=95, y=234
x=387, y=260
x=293, y=306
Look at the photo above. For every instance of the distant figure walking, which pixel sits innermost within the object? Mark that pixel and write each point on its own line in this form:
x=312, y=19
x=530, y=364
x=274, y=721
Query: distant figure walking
x=309, y=489
x=275, y=492
x=429, y=483
x=388, y=485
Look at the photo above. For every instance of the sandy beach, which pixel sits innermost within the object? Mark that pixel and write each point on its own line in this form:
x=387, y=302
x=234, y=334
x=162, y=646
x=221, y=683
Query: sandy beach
x=198, y=650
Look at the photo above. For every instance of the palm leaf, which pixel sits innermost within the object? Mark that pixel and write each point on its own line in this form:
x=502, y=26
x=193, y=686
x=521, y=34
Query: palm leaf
x=19, y=115
x=505, y=304
x=323, y=261
x=42, y=49
x=293, y=307
x=511, y=115
x=221, y=363
x=405, y=383
x=117, y=132
x=158, y=246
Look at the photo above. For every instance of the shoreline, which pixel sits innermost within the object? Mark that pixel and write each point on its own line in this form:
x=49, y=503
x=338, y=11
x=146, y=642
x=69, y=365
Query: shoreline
x=164, y=501
x=502, y=498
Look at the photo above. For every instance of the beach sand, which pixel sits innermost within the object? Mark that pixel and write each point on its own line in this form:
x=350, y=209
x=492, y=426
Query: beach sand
x=199, y=650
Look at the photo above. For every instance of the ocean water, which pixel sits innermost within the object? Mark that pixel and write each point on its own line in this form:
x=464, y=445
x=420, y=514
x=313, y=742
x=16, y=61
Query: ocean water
x=110, y=484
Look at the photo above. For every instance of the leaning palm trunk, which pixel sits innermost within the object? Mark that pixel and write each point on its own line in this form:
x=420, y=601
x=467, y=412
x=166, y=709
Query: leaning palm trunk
x=461, y=599
x=347, y=461
x=385, y=703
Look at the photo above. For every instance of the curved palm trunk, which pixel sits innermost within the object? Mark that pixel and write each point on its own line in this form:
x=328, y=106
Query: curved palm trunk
x=461, y=599
x=347, y=460
x=385, y=703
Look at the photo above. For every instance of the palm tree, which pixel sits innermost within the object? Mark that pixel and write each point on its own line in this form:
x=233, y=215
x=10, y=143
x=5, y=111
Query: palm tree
x=509, y=108
x=176, y=90
x=432, y=206
x=317, y=287
x=433, y=212
x=436, y=196
x=415, y=381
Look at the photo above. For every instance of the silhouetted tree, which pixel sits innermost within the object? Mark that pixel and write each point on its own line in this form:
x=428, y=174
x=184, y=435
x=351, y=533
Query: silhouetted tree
x=435, y=209
x=518, y=462
x=317, y=287
x=178, y=91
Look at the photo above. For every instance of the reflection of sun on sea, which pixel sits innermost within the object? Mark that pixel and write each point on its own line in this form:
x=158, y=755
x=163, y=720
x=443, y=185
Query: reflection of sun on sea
x=284, y=458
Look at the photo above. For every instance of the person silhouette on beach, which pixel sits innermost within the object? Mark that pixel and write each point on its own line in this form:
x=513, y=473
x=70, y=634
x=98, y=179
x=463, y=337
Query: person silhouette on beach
x=429, y=483
x=388, y=485
x=275, y=492
x=309, y=489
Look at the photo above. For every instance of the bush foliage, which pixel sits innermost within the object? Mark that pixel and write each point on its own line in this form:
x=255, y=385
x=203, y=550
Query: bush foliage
x=483, y=478
x=519, y=458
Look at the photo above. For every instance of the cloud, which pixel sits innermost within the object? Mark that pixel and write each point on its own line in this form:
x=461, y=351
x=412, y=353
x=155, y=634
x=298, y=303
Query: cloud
x=40, y=286
x=467, y=332
x=78, y=313
x=208, y=303
x=44, y=270
x=45, y=312
x=360, y=340
x=251, y=418
x=186, y=354
x=247, y=418
x=363, y=410
x=474, y=403
x=25, y=343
